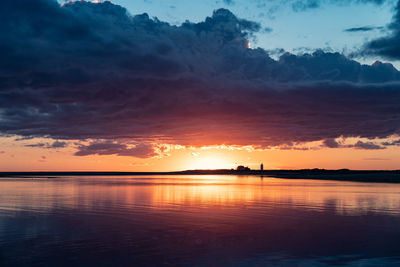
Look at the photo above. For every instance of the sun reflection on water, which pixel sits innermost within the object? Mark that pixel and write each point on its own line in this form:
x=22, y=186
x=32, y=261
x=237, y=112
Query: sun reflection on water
x=158, y=192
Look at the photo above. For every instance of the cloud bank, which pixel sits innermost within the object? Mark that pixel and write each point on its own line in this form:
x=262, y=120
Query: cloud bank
x=93, y=71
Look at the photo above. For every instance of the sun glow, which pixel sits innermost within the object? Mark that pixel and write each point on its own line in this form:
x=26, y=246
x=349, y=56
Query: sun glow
x=209, y=162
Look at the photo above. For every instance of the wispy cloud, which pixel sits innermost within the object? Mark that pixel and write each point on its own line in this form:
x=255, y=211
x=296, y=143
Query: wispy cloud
x=364, y=29
x=376, y=159
x=55, y=144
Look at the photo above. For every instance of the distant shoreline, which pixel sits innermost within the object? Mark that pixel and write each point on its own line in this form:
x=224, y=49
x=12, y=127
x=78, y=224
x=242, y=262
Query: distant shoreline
x=376, y=176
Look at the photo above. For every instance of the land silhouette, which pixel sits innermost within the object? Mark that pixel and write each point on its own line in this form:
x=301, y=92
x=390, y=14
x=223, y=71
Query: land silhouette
x=376, y=176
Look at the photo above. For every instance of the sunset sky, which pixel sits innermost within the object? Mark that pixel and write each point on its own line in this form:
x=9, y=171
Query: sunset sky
x=172, y=85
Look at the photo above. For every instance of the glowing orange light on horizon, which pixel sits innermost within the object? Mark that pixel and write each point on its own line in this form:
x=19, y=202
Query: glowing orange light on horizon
x=209, y=162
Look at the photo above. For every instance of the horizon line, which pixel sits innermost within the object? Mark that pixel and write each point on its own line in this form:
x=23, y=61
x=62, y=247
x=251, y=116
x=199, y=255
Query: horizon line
x=207, y=170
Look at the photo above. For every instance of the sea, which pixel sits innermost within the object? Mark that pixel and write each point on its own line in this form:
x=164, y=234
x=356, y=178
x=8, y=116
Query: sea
x=197, y=220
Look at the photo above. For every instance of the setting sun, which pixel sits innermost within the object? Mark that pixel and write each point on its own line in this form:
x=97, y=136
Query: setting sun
x=209, y=162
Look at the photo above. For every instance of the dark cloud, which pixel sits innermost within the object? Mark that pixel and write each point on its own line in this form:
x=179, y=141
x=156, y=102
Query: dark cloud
x=392, y=143
x=389, y=45
x=363, y=29
x=113, y=148
x=55, y=144
x=36, y=145
x=58, y=144
x=331, y=143
x=367, y=145
x=93, y=71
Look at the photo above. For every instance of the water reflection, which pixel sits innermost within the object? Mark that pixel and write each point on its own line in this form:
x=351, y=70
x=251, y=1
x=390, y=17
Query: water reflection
x=197, y=220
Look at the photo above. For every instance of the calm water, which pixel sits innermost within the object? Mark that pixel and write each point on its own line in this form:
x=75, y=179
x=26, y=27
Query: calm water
x=197, y=221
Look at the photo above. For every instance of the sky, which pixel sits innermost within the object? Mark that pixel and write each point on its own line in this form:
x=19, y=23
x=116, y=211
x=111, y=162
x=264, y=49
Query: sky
x=296, y=26
x=155, y=85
